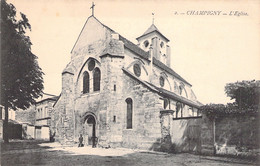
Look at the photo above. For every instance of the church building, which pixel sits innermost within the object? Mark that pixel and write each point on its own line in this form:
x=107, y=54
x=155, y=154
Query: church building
x=125, y=95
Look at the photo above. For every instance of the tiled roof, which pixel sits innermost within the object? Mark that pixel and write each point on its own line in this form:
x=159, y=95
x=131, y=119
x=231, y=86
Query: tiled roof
x=169, y=70
x=164, y=92
x=151, y=29
x=133, y=47
x=172, y=95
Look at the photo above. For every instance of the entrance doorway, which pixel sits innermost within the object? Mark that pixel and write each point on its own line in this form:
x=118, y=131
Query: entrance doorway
x=90, y=129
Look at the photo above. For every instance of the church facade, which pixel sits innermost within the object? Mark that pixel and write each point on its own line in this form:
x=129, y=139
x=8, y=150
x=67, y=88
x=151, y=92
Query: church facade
x=125, y=95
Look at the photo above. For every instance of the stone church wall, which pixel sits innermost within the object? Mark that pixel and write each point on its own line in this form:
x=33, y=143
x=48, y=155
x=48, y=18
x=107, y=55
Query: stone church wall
x=146, y=131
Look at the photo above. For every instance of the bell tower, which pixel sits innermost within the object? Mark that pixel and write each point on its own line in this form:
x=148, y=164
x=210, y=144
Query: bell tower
x=153, y=37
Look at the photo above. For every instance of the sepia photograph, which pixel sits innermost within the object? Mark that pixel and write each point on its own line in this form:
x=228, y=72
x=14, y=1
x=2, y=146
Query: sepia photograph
x=130, y=83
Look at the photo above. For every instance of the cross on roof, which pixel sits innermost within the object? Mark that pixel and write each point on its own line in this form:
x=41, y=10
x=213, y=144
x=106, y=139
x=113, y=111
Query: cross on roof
x=92, y=7
x=153, y=17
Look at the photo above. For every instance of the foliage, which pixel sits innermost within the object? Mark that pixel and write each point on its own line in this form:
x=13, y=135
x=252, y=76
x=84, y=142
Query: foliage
x=218, y=110
x=21, y=77
x=245, y=93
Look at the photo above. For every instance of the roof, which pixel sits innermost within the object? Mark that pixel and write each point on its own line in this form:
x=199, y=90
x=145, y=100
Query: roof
x=152, y=29
x=140, y=52
x=184, y=100
x=46, y=97
x=164, y=92
x=145, y=55
x=133, y=47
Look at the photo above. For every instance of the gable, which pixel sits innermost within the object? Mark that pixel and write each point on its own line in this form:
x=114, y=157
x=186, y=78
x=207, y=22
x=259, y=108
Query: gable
x=92, y=32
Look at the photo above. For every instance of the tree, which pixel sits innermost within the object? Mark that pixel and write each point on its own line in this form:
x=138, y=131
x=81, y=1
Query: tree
x=247, y=100
x=245, y=93
x=21, y=76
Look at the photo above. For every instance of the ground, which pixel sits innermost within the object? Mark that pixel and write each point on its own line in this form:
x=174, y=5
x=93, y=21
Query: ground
x=43, y=153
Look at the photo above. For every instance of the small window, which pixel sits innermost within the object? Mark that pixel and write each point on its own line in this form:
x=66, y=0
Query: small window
x=180, y=88
x=96, y=79
x=114, y=87
x=91, y=65
x=85, y=82
x=137, y=70
x=162, y=44
x=179, y=108
x=146, y=43
x=162, y=81
x=165, y=103
x=129, y=113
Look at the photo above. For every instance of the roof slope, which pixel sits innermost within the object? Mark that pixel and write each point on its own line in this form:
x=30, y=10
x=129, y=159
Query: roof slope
x=140, y=52
x=164, y=92
x=145, y=55
x=151, y=29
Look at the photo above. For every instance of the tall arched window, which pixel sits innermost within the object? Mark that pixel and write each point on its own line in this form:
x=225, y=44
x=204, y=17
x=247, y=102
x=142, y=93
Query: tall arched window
x=129, y=113
x=85, y=82
x=96, y=79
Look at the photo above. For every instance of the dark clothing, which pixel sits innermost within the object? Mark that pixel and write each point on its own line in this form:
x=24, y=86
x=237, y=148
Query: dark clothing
x=81, y=141
x=94, y=141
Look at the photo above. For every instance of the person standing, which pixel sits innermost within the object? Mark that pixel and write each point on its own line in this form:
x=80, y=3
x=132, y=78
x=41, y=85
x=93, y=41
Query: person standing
x=81, y=141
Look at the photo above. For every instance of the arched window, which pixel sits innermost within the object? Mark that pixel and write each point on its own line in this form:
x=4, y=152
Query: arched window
x=179, y=109
x=165, y=103
x=96, y=79
x=85, y=82
x=129, y=113
x=162, y=81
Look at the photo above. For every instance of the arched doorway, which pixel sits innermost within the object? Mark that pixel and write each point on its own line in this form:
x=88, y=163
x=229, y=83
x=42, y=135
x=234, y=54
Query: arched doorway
x=90, y=129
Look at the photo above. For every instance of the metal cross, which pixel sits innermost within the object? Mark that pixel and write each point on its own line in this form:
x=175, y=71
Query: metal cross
x=153, y=17
x=92, y=7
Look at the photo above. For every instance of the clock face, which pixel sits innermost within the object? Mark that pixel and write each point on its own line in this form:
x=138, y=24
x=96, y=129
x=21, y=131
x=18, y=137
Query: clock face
x=91, y=65
x=137, y=70
x=161, y=81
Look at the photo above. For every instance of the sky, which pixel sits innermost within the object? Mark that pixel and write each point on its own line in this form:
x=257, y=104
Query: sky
x=206, y=50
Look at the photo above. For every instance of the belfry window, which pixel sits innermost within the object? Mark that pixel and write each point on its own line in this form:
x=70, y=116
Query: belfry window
x=162, y=44
x=129, y=113
x=146, y=43
x=96, y=79
x=85, y=82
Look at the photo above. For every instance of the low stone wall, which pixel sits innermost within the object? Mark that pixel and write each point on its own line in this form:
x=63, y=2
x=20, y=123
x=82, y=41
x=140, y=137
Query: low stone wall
x=236, y=135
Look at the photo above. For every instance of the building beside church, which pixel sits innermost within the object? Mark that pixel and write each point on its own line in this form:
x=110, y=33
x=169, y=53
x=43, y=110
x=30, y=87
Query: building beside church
x=124, y=94
x=36, y=120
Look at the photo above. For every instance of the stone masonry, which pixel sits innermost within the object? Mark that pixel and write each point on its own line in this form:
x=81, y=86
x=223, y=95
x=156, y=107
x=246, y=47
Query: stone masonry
x=141, y=74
